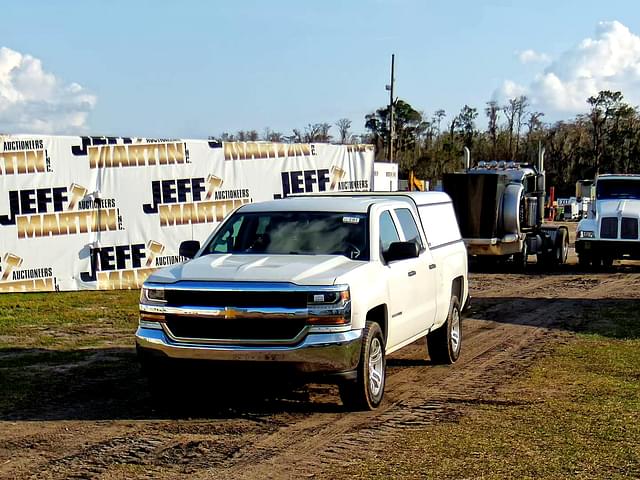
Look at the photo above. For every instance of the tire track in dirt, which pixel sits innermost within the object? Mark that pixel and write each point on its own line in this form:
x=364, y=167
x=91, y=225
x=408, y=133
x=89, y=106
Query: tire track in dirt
x=492, y=355
x=479, y=371
x=513, y=319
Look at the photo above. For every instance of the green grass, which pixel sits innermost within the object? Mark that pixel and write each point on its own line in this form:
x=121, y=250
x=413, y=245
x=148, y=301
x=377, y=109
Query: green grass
x=49, y=340
x=575, y=414
x=64, y=320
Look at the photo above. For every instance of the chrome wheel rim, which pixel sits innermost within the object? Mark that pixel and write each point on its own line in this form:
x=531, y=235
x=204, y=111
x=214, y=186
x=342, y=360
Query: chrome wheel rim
x=376, y=367
x=455, y=330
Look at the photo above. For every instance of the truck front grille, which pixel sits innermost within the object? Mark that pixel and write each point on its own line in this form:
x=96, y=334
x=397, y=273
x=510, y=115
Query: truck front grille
x=237, y=330
x=239, y=299
x=629, y=228
x=609, y=227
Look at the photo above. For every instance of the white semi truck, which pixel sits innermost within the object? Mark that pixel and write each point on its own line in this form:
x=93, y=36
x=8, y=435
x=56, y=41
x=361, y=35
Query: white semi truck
x=610, y=230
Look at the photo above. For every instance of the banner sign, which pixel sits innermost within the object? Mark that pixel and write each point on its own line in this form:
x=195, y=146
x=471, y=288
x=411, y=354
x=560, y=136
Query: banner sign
x=104, y=212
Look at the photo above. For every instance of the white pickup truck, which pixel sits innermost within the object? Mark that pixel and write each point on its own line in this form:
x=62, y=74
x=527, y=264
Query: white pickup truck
x=327, y=285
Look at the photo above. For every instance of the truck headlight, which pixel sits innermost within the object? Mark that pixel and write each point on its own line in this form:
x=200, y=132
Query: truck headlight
x=329, y=308
x=152, y=295
x=328, y=298
x=586, y=234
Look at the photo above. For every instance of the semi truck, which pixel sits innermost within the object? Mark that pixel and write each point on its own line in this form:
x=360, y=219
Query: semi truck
x=500, y=210
x=610, y=230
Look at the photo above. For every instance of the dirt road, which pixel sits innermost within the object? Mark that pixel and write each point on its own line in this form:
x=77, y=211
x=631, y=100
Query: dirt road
x=98, y=421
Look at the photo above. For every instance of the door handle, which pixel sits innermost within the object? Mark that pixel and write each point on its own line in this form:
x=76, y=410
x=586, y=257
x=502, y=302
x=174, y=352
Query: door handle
x=412, y=273
x=432, y=266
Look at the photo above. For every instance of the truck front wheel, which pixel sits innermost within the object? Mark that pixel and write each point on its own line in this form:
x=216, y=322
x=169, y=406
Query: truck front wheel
x=562, y=246
x=584, y=261
x=445, y=342
x=520, y=259
x=367, y=390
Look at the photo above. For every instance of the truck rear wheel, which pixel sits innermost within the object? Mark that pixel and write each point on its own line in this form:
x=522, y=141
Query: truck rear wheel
x=445, y=342
x=558, y=254
x=367, y=390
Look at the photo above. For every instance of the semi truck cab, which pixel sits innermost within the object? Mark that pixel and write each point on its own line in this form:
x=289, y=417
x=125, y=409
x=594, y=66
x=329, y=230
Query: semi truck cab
x=610, y=230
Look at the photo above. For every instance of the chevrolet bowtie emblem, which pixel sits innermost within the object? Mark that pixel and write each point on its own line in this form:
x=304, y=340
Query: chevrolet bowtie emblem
x=230, y=313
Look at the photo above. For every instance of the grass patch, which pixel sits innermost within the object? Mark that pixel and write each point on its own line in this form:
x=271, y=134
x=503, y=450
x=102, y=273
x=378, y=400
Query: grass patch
x=618, y=320
x=60, y=345
x=575, y=414
x=66, y=319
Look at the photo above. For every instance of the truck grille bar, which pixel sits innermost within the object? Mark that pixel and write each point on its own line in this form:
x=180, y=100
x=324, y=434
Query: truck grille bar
x=609, y=227
x=236, y=331
x=629, y=228
x=213, y=298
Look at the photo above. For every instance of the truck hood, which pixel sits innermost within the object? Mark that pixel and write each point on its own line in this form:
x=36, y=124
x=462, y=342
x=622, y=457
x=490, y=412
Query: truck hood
x=611, y=208
x=298, y=269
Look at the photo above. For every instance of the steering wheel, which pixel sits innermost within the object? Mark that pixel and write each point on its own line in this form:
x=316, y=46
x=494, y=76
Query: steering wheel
x=352, y=250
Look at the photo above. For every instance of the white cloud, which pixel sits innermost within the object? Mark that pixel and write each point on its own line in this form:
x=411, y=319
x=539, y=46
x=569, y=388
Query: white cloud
x=531, y=56
x=608, y=61
x=33, y=100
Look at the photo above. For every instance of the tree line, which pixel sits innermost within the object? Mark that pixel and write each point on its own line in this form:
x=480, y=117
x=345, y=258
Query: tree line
x=606, y=139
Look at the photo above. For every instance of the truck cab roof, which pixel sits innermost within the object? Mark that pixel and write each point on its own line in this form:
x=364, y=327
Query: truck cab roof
x=618, y=176
x=368, y=198
x=346, y=201
x=312, y=204
x=515, y=172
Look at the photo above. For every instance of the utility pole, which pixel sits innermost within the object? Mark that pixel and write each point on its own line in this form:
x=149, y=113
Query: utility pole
x=392, y=124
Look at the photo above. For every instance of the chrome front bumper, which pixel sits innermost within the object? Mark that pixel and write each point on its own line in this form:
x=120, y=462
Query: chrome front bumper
x=316, y=353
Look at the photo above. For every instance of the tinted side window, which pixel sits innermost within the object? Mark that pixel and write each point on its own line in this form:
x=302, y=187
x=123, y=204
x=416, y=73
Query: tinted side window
x=409, y=227
x=388, y=232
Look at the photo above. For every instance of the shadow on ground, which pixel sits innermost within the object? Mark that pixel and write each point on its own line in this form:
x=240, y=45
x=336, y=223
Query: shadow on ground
x=612, y=318
x=108, y=384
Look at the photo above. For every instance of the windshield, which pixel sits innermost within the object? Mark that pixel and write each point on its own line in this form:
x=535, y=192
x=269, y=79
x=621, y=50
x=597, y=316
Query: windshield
x=621, y=188
x=286, y=233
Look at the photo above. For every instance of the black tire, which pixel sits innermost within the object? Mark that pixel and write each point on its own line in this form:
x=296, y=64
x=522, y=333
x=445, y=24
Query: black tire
x=558, y=255
x=584, y=261
x=365, y=392
x=607, y=262
x=562, y=247
x=444, y=344
x=596, y=262
x=520, y=259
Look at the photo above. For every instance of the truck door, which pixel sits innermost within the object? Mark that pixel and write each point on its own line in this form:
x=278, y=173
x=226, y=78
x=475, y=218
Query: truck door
x=397, y=275
x=422, y=285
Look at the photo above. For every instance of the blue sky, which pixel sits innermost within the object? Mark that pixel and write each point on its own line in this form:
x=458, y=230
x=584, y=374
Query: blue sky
x=193, y=69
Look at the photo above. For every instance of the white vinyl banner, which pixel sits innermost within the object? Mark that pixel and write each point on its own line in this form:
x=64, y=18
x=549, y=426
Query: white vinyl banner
x=104, y=212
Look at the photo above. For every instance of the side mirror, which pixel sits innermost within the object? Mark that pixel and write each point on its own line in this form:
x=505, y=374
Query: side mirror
x=189, y=248
x=402, y=251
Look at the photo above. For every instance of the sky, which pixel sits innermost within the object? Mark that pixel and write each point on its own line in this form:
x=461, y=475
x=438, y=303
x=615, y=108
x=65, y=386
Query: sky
x=194, y=69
